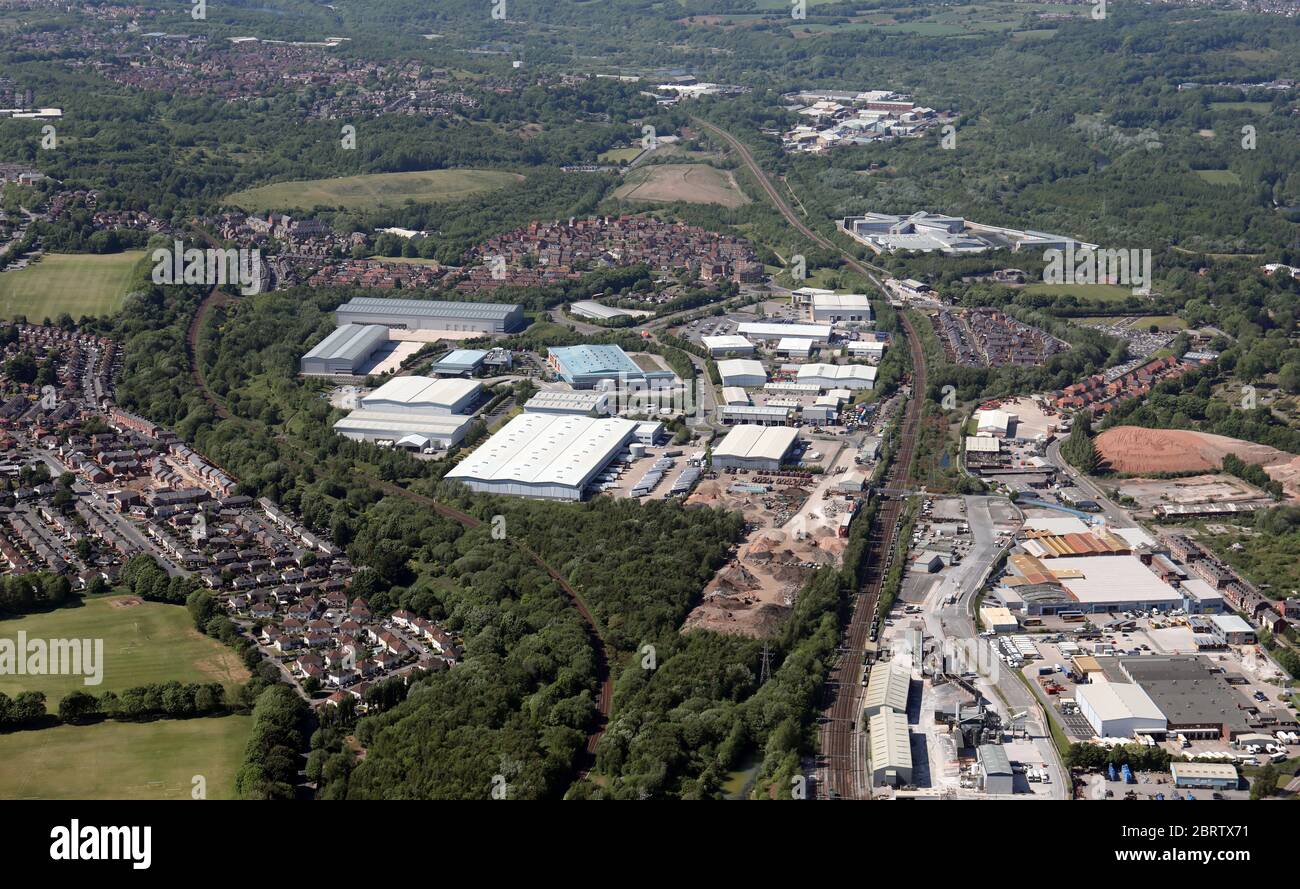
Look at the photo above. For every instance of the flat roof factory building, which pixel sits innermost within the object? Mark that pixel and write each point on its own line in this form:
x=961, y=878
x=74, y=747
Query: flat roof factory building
x=585, y=366
x=1113, y=583
x=838, y=376
x=891, y=749
x=755, y=447
x=426, y=314
x=548, y=456
x=1194, y=701
x=346, y=350
x=768, y=330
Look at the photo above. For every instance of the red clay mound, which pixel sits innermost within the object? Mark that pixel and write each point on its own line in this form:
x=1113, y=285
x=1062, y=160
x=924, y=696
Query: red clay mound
x=1135, y=450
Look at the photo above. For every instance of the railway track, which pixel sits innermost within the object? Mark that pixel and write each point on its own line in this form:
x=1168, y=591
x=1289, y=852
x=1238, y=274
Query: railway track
x=841, y=757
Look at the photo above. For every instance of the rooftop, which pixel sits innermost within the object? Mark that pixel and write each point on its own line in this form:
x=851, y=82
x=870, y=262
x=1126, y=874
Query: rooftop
x=351, y=342
x=769, y=442
x=429, y=308
x=558, y=449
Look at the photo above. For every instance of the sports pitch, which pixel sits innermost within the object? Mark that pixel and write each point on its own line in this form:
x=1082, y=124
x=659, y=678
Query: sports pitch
x=76, y=283
x=125, y=760
x=143, y=643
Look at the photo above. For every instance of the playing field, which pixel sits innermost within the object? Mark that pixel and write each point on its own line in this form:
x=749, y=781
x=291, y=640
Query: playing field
x=76, y=283
x=372, y=191
x=124, y=760
x=692, y=183
x=145, y=642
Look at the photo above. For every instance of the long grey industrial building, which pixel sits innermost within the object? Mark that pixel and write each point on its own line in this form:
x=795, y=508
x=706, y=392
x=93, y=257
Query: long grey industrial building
x=346, y=350
x=426, y=314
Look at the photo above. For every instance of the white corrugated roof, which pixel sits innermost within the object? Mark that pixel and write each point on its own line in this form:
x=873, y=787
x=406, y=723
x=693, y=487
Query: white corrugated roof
x=417, y=392
x=545, y=449
x=769, y=442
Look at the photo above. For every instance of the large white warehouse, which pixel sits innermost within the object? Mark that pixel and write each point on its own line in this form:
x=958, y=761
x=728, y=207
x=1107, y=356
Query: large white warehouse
x=417, y=413
x=346, y=350
x=1118, y=709
x=428, y=314
x=743, y=372
x=424, y=395
x=755, y=447
x=550, y=456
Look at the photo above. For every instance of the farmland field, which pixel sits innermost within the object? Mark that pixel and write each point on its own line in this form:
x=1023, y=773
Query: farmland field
x=76, y=283
x=374, y=190
x=124, y=760
x=692, y=183
x=144, y=642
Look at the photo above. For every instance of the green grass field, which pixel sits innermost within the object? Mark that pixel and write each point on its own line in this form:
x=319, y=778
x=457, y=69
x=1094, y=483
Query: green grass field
x=372, y=191
x=1219, y=177
x=76, y=283
x=124, y=760
x=614, y=155
x=143, y=643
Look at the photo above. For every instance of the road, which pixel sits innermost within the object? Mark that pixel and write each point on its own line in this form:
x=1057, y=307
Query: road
x=1115, y=516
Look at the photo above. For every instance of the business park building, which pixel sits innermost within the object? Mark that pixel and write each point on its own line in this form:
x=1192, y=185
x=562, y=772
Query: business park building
x=345, y=351
x=426, y=314
x=414, y=413
x=544, y=455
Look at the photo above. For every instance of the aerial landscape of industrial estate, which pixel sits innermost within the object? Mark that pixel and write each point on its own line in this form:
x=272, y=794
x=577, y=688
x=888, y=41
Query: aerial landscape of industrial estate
x=753, y=400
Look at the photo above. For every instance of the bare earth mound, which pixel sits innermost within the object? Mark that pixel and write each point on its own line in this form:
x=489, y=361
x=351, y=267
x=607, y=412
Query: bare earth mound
x=1135, y=450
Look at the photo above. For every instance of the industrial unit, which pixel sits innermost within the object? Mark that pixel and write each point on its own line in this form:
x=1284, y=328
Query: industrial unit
x=838, y=376
x=755, y=447
x=833, y=308
x=581, y=403
x=760, y=414
x=743, y=372
x=1205, y=775
x=346, y=350
x=891, y=749
x=767, y=330
x=423, y=395
x=422, y=314
x=547, y=456
x=726, y=345
x=1119, y=709
x=996, y=776
x=585, y=366
x=888, y=688
x=416, y=413
x=460, y=363
x=1194, y=701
